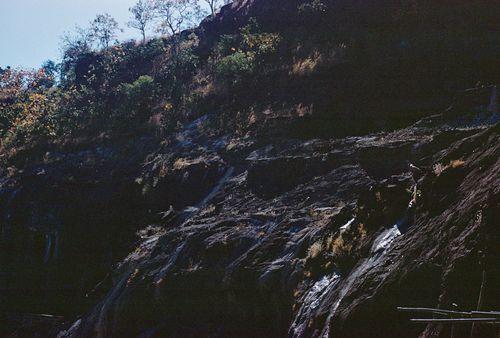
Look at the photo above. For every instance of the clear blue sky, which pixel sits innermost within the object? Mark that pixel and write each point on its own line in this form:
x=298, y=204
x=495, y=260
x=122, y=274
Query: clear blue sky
x=30, y=30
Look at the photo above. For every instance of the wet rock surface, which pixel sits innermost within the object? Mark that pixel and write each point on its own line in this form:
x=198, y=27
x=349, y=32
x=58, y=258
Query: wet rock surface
x=297, y=238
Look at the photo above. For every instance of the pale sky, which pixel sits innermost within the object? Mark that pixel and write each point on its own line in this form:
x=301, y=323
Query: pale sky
x=30, y=30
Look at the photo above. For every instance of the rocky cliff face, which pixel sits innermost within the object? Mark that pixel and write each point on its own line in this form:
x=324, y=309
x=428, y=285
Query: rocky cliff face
x=273, y=233
x=316, y=238
x=289, y=238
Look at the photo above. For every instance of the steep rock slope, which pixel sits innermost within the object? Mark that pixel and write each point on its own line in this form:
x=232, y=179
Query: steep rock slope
x=302, y=239
x=294, y=227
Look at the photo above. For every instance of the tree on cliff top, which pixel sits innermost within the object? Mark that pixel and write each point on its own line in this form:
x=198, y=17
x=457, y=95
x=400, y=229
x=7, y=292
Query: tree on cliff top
x=142, y=15
x=104, y=28
x=177, y=15
x=214, y=5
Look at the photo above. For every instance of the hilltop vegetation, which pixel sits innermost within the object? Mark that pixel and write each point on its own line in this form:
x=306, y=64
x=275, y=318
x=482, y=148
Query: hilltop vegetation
x=333, y=62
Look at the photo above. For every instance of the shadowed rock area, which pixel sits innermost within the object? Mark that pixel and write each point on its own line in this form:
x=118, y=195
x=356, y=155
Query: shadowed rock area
x=244, y=264
x=316, y=224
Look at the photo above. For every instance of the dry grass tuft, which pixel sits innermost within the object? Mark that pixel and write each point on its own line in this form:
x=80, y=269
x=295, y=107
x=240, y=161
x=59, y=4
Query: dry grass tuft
x=439, y=168
x=456, y=164
x=315, y=250
x=308, y=65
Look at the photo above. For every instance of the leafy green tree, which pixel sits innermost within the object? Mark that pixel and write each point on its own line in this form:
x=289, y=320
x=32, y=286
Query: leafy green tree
x=239, y=56
x=235, y=66
x=137, y=98
x=27, y=109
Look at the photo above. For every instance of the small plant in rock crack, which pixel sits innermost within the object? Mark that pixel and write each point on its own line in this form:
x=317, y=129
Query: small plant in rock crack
x=315, y=250
x=344, y=246
x=316, y=259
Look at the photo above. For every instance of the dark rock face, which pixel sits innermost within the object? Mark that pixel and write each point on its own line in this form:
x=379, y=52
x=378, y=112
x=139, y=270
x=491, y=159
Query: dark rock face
x=260, y=235
x=242, y=263
x=88, y=189
x=266, y=176
x=250, y=246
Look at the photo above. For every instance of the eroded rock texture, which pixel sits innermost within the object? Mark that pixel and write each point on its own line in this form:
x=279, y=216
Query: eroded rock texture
x=316, y=238
x=317, y=226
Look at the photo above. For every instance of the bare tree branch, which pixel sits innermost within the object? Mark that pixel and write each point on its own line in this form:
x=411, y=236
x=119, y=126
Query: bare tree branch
x=142, y=15
x=104, y=28
x=177, y=15
x=214, y=5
